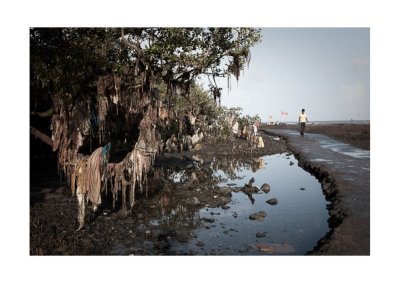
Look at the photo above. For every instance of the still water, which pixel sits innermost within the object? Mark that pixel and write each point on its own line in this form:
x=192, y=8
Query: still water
x=293, y=226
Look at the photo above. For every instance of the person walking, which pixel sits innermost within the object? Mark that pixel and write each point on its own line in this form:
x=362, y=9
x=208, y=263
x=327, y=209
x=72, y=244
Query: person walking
x=302, y=121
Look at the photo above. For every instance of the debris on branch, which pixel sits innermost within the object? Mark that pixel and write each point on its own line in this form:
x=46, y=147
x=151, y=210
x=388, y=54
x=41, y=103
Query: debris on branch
x=134, y=89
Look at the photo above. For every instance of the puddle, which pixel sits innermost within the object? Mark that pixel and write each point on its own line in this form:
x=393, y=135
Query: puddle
x=345, y=149
x=200, y=218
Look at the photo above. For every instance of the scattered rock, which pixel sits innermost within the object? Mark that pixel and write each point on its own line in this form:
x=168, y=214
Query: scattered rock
x=272, y=201
x=208, y=220
x=291, y=163
x=261, y=234
x=200, y=243
x=231, y=184
x=225, y=207
x=302, y=189
x=258, y=215
x=265, y=188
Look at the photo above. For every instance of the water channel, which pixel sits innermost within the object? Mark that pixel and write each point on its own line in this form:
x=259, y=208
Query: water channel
x=181, y=223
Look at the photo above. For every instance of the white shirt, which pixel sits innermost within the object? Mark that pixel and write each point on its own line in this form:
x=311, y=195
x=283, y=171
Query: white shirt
x=303, y=118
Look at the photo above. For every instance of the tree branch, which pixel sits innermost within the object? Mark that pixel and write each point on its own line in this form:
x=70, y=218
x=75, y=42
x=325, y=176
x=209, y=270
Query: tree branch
x=127, y=43
x=43, y=137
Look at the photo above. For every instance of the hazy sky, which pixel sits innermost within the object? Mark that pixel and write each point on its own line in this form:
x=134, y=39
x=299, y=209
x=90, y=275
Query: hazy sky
x=324, y=70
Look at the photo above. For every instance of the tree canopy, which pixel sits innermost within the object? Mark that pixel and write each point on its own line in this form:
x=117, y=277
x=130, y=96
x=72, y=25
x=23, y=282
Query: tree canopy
x=121, y=84
x=71, y=59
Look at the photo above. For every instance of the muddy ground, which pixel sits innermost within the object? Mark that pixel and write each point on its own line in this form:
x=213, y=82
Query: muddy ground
x=357, y=135
x=53, y=210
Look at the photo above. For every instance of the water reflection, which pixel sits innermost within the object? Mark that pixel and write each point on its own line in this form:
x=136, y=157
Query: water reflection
x=206, y=208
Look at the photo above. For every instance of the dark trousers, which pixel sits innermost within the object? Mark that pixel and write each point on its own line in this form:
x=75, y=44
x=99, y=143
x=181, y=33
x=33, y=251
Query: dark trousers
x=302, y=127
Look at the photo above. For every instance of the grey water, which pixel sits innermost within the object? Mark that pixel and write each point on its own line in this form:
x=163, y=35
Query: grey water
x=292, y=227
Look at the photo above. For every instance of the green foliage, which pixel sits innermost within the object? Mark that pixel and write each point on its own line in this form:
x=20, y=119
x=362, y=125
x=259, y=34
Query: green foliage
x=71, y=59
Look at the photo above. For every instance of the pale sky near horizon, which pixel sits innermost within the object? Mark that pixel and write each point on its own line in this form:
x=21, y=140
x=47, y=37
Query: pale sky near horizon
x=324, y=70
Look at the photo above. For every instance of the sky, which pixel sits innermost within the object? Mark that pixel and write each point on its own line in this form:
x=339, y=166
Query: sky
x=326, y=71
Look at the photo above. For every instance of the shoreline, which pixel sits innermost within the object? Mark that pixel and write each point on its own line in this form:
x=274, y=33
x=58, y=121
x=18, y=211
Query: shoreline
x=349, y=193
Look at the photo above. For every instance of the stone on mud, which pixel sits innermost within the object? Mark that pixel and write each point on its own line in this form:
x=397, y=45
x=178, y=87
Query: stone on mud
x=272, y=201
x=208, y=220
x=265, y=188
x=261, y=234
x=258, y=215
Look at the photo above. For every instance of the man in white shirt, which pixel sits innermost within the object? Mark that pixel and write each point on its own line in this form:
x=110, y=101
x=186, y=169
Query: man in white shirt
x=302, y=121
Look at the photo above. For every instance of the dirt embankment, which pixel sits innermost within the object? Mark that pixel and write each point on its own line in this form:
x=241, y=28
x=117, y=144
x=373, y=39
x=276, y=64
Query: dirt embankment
x=357, y=135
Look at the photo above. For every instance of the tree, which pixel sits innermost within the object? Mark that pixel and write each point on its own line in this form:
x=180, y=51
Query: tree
x=103, y=86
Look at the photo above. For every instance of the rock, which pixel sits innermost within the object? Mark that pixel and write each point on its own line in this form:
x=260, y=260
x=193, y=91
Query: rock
x=265, y=188
x=258, y=215
x=272, y=201
x=291, y=163
x=231, y=184
x=225, y=207
x=261, y=234
x=209, y=220
x=200, y=243
x=302, y=189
